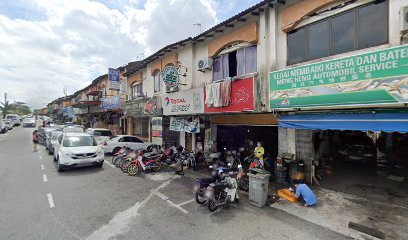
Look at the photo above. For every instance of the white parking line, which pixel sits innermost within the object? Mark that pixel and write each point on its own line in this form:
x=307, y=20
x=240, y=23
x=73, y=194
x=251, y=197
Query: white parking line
x=42, y=167
x=161, y=195
x=45, y=179
x=186, y=202
x=177, y=206
x=50, y=200
x=110, y=164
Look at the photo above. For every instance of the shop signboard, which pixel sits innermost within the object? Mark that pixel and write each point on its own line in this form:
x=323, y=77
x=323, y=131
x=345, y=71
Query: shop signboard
x=370, y=78
x=181, y=124
x=83, y=110
x=142, y=107
x=171, y=76
x=111, y=103
x=114, y=78
x=241, y=99
x=184, y=102
x=135, y=108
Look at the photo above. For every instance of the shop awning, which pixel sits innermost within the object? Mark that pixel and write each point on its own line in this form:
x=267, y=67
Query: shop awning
x=376, y=122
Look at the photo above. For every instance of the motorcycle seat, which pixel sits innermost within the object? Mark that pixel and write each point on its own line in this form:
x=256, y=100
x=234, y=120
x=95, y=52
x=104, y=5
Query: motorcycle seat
x=220, y=185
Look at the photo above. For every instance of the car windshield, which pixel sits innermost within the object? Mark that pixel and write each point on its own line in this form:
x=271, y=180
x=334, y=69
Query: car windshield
x=79, y=141
x=103, y=133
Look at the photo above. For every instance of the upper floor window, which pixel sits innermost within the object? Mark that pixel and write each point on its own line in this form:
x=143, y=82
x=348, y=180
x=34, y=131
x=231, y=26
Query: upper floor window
x=235, y=63
x=137, y=90
x=158, y=83
x=362, y=27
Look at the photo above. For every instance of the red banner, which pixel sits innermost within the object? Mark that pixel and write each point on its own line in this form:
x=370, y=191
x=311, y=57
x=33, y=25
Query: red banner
x=242, y=97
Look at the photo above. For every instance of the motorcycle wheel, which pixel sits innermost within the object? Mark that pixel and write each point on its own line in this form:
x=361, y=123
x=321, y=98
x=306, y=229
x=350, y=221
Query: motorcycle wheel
x=199, y=198
x=212, y=205
x=244, y=183
x=125, y=166
x=193, y=164
x=116, y=161
x=133, y=169
x=168, y=161
x=121, y=162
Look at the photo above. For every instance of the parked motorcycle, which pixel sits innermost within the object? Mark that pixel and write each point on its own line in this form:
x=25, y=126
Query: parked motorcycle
x=201, y=184
x=249, y=163
x=145, y=165
x=223, y=192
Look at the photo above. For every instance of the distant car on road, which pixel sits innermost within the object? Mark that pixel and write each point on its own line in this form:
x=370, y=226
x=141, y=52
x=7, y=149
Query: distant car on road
x=14, y=118
x=77, y=150
x=3, y=127
x=100, y=134
x=28, y=122
x=9, y=124
x=114, y=144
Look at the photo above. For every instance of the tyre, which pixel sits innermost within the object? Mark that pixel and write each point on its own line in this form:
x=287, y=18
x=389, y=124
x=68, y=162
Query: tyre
x=212, y=205
x=113, y=159
x=199, y=198
x=49, y=152
x=193, y=164
x=168, y=161
x=121, y=162
x=133, y=169
x=60, y=168
x=99, y=165
x=244, y=183
x=117, y=160
x=115, y=150
x=125, y=166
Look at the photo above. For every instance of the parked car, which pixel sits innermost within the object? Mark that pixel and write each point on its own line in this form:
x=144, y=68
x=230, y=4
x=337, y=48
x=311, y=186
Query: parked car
x=43, y=133
x=52, y=141
x=3, y=127
x=114, y=144
x=77, y=150
x=8, y=124
x=100, y=134
x=15, y=118
x=28, y=122
x=357, y=147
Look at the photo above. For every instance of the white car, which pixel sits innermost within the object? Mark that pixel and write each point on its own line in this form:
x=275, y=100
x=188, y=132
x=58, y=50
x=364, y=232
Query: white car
x=100, y=134
x=77, y=150
x=28, y=122
x=114, y=144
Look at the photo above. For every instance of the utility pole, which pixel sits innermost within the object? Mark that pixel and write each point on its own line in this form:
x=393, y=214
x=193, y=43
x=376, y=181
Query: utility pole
x=199, y=26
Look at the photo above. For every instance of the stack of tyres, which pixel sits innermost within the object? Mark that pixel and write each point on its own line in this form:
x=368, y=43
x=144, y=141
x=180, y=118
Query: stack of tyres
x=281, y=173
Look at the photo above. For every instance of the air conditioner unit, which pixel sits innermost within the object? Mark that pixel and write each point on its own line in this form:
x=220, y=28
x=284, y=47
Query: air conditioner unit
x=404, y=18
x=205, y=64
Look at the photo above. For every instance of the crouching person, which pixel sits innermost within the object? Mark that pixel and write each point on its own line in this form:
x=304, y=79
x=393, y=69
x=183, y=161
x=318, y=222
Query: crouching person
x=305, y=194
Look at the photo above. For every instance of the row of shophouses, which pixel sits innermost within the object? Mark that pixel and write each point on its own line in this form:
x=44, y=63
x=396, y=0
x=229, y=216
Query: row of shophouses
x=290, y=74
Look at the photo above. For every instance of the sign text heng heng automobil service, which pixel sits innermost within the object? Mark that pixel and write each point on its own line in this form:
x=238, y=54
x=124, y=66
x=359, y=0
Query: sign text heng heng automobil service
x=183, y=103
x=364, y=78
x=379, y=64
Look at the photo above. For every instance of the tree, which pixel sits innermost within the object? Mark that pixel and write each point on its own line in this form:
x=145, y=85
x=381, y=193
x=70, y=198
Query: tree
x=5, y=107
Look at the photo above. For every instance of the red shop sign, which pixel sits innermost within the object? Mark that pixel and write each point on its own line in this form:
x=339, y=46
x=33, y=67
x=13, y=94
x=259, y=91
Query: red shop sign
x=242, y=97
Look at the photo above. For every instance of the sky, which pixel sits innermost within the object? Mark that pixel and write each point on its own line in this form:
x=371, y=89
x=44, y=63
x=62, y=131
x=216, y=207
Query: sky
x=48, y=46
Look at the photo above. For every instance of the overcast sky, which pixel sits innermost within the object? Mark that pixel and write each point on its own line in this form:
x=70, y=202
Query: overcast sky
x=47, y=46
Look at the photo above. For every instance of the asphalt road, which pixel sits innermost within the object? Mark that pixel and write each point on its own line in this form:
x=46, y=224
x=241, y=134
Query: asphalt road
x=37, y=202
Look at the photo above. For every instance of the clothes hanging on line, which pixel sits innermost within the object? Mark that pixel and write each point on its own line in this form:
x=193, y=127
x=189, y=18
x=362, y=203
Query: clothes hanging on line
x=218, y=94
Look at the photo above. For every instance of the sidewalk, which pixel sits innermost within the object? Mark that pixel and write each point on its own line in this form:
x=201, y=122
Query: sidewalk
x=336, y=209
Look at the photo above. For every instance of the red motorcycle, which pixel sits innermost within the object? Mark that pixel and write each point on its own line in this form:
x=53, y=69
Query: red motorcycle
x=144, y=165
x=242, y=177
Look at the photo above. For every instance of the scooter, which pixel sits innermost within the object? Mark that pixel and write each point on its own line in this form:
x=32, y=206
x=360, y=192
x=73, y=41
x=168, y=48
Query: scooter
x=201, y=184
x=242, y=177
x=223, y=192
x=138, y=165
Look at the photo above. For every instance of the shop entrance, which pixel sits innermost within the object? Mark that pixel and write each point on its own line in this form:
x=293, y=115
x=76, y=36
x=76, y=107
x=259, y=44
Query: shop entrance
x=234, y=137
x=366, y=164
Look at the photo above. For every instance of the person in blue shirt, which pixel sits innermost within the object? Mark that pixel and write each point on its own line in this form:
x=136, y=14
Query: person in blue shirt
x=305, y=194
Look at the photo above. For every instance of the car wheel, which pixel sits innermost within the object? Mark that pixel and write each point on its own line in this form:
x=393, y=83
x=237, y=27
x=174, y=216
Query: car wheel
x=60, y=169
x=115, y=150
x=99, y=165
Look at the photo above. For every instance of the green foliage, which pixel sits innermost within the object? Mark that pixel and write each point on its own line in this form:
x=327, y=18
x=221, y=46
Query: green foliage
x=19, y=108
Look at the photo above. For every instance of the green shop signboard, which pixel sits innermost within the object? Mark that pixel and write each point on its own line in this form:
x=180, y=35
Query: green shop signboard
x=370, y=78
